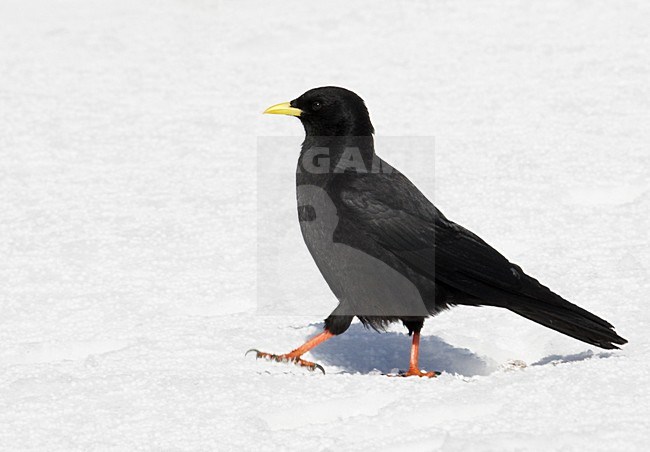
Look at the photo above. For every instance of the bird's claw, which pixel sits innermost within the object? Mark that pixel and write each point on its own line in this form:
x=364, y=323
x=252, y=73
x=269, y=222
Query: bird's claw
x=287, y=359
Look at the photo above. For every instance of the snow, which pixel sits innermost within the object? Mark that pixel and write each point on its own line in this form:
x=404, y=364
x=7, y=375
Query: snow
x=129, y=171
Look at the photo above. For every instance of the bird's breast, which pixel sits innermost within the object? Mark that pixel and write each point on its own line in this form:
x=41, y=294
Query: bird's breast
x=364, y=285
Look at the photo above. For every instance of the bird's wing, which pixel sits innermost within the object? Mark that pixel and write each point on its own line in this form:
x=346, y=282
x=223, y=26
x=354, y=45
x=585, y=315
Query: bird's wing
x=395, y=214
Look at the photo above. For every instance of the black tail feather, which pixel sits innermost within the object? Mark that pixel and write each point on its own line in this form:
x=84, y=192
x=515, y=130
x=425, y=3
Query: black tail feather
x=538, y=303
x=570, y=321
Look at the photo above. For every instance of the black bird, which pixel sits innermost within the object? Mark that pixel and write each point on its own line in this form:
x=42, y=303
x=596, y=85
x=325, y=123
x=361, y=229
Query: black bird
x=387, y=252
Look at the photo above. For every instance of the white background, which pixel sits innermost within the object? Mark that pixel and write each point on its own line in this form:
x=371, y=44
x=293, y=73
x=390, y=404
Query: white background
x=128, y=235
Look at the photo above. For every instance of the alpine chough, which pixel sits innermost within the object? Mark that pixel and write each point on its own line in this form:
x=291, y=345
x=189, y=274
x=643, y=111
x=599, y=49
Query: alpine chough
x=387, y=252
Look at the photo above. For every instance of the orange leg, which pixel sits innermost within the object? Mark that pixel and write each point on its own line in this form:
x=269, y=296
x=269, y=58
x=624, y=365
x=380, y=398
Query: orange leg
x=414, y=369
x=295, y=355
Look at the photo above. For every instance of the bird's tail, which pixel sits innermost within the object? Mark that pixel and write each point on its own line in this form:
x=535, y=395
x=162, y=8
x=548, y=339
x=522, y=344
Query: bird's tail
x=571, y=320
x=538, y=303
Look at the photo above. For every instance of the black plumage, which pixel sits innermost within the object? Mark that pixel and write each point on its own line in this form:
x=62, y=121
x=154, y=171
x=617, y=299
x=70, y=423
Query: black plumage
x=386, y=251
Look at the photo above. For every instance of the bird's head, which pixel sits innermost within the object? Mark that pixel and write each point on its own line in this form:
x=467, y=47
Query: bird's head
x=328, y=111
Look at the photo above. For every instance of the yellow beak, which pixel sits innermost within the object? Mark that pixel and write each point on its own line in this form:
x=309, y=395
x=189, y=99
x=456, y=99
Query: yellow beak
x=284, y=108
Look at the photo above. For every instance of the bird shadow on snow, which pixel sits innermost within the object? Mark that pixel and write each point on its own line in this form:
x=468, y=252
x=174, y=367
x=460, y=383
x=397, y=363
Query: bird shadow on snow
x=364, y=351
x=560, y=359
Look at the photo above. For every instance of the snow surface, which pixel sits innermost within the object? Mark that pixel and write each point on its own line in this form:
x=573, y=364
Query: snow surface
x=128, y=222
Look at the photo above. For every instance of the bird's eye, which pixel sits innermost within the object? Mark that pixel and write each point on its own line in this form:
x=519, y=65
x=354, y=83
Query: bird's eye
x=316, y=106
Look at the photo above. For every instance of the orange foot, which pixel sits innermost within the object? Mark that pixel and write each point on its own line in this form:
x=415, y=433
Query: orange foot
x=288, y=358
x=414, y=369
x=418, y=373
x=295, y=355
